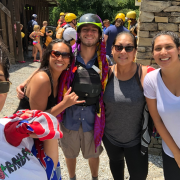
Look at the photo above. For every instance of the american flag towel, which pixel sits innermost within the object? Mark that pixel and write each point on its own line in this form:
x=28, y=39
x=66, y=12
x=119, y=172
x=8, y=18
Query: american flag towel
x=45, y=126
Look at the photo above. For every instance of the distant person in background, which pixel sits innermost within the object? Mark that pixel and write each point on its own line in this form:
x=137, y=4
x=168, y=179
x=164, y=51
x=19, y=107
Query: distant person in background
x=106, y=24
x=112, y=31
x=63, y=22
x=34, y=20
x=35, y=36
x=131, y=15
x=61, y=14
x=68, y=32
x=31, y=24
x=46, y=39
x=22, y=36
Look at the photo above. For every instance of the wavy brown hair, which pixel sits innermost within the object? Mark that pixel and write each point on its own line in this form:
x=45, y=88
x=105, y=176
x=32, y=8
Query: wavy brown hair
x=47, y=53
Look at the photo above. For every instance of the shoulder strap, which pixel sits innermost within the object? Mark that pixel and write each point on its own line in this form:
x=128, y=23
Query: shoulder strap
x=110, y=73
x=138, y=76
x=66, y=26
x=113, y=68
x=50, y=78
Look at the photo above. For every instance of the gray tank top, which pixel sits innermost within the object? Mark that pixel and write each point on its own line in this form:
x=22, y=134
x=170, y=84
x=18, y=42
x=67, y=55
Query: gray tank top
x=124, y=102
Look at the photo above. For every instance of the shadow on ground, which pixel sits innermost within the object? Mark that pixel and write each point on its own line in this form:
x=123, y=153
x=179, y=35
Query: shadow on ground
x=29, y=60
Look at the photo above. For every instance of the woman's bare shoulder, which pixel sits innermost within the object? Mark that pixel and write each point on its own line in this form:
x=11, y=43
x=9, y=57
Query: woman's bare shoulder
x=39, y=85
x=144, y=68
x=40, y=77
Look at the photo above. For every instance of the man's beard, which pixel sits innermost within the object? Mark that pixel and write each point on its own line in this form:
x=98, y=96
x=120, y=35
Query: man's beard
x=89, y=44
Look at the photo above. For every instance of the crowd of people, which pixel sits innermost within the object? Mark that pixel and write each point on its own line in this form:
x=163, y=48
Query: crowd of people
x=89, y=80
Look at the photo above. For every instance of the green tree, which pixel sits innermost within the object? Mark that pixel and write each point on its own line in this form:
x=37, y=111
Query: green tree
x=106, y=9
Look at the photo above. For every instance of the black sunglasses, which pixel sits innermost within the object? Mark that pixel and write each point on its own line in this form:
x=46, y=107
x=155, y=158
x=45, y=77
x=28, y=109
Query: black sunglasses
x=4, y=86
x=119, y=48
x=56, y=54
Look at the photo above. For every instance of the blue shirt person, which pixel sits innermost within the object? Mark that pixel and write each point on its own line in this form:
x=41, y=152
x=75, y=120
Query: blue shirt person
x=106, y=24
x=110, y=34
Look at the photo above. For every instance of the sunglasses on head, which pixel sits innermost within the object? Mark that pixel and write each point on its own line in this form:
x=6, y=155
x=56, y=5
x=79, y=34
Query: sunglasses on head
x=4, y=86
x=119, y=48
x=56, y=54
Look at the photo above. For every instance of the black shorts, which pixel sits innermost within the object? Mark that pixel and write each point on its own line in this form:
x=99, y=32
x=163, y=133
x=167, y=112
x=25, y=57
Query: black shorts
x=170, y=167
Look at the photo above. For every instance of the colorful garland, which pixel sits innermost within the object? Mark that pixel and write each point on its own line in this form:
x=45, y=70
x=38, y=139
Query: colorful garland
x=67, y=78
x=65, y=81
x=99, y=123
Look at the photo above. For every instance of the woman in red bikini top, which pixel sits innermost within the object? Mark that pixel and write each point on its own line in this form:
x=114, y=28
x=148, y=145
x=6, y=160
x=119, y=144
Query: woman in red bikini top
x=35, y=35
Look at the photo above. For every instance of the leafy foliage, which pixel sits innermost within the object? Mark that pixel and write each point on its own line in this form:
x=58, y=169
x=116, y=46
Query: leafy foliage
x=106, y=9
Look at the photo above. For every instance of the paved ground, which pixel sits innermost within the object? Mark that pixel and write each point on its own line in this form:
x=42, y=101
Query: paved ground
x=18, y=73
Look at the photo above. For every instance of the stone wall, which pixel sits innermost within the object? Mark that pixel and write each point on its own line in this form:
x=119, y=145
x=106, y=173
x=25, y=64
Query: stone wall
x=155, y=16
x=156, y=146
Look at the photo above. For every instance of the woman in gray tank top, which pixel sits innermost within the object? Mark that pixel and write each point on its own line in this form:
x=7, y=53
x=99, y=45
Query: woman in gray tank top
x=124, y=103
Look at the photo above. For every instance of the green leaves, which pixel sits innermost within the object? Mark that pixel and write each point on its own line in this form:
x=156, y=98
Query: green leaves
x=106, y=9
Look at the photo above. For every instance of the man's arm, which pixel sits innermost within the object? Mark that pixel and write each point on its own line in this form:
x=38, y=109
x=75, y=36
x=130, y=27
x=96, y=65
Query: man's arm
x=105, y=38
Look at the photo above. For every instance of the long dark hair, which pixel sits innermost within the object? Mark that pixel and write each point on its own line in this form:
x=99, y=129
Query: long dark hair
x=4, y=62
x=47, y=53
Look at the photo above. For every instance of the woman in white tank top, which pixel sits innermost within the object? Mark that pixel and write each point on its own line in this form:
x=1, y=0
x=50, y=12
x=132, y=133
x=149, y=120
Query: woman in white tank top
x=162, y=91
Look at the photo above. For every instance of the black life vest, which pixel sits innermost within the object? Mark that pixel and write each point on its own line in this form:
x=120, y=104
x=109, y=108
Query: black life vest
x=87, y=85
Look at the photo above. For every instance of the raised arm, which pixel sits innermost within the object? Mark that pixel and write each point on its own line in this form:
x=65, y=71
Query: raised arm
x=39, y=89
x=31, y=35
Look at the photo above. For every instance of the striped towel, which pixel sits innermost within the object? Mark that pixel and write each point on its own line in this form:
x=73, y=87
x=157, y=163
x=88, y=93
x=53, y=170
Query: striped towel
x=43, y=124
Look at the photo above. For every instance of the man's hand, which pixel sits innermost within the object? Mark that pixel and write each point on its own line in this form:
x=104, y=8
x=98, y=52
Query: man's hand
x=71, y=98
